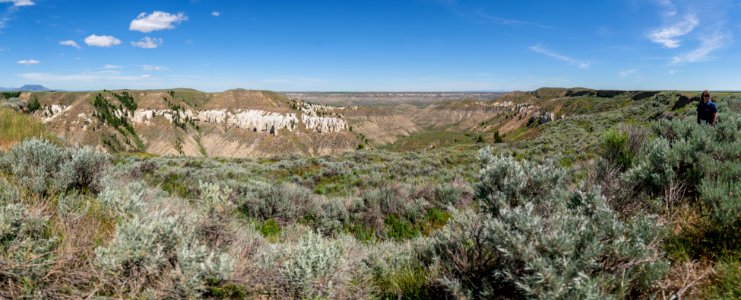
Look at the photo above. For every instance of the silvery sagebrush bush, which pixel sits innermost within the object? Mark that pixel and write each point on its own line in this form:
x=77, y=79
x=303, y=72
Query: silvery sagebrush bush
x=329, y=215
x=535, y=239
x=83, y=169
x=198, y=266
x=125, y=201
x=72, y=205
x=395, y=267
x=25, y=245
x=310, y=266
x=157, y=245
x=44, y=168
x=4, y=162
x=654, y=170
x=14, y=104
x=9, y=193
x=215, y=199
x=285, y=201
x=705, y=160
x=36, y=164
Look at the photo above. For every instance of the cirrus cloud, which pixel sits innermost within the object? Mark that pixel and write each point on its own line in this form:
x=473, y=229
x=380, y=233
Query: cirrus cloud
x=19, y=2
x=102, y=41
x=579, y=63
x=708, y=44
x=148, y=43
x=153, y=68
x=70, y=43
x=28, y=62
x=157, y=20
x=669, y=36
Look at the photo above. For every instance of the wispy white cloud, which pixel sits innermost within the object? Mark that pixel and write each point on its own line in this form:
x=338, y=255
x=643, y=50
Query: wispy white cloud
x=668, y=36
x=505, y=21
x=157, y=20
x=70, y=43
x=6, y=16
x=669, y=8
x=18, y=3
x=148, y=43
x=708, y=44
x=627, y=73
x=701, y=24
x=112, y=67
x=154, y=68
x=83, y=77
x=28, y=62
x=215, y=13
x=102, y=41
x=579, y=63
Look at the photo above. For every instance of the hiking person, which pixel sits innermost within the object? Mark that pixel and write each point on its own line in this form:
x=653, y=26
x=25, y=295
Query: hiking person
x=707, y=110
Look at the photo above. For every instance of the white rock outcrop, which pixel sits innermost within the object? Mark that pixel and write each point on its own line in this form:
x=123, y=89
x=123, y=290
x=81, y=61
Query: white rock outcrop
x=52, y=112
x=324, y=124
x=250, y=119
x=259, y=120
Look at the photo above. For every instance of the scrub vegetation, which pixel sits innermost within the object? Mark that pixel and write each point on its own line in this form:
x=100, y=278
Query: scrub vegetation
x=623, y=200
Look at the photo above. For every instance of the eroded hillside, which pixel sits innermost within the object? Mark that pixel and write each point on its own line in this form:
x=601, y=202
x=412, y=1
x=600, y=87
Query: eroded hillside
x=248, y=123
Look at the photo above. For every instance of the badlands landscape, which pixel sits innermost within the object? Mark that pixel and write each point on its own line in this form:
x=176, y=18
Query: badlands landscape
x=257, y=194
x=406, y=149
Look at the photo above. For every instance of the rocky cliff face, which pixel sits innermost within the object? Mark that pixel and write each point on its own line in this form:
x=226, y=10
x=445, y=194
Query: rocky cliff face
x=187, y=122
x=242, y=123
x=251, y=119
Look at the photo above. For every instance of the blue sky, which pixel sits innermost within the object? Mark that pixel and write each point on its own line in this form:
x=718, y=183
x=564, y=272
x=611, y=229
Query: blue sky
x=367, y=45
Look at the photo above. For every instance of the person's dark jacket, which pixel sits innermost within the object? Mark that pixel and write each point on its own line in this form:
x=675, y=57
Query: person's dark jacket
x=706, y=111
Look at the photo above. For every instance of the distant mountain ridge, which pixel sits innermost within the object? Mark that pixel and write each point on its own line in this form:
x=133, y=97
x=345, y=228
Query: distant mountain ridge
x=29, y=88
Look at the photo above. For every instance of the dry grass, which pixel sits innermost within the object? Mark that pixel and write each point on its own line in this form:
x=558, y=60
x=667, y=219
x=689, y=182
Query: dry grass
x=16, y=127
x=685, y=281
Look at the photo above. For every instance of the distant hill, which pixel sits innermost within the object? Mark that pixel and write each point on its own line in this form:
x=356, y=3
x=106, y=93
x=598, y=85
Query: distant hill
x=253, y=123
x=28, y=88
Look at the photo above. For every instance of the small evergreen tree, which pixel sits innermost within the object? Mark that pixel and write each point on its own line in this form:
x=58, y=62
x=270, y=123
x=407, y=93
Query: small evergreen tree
x=33, y=105
x=498, y=138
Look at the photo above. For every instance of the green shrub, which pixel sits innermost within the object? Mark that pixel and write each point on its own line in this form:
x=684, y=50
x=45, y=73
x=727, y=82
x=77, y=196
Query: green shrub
x=9, y=193
x=311, y=266
x=26, y=248
x=8, y=95
x=725, y=284
x=160, y=247
x=498, y=138
x=83, y=170
x=445, y=195
x=283, y=202
x=44, y=168
x=329, y=216
x=33, y=105
x=36, y=164
x=215, y=199
x=654, y=171
x=124, y=201
x=175, y=185
x=615, y=149
x=397, y=273
x=705, y=160
x=400, y=228
x=269, y=228
x=536, y=239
